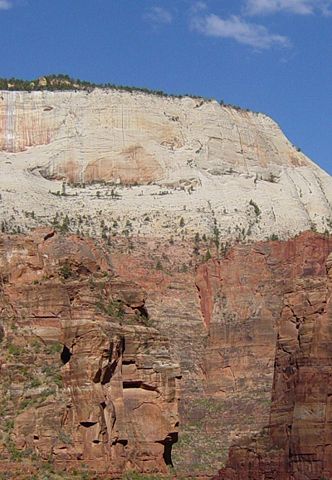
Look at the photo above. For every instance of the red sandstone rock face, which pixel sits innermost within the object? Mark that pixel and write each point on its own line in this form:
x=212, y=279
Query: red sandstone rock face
x=250, y=331
x=296, y=441
x=81, y=369
x=223, y=321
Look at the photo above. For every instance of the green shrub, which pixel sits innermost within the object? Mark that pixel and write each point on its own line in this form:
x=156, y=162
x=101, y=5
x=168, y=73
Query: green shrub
x=256, y=208
x=65, y=271
x=64, y=228
x=15, y=350
x=274, y=237
x=114, y=308
x=64, y=437
x=35, y=382
x=54, y=348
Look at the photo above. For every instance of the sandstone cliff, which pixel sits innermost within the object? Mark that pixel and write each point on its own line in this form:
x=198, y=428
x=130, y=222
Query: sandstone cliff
x=95, y=335
x=296, y=441
x=91, y=349
x=156, y=157
x=81, y=369
x=225, y=319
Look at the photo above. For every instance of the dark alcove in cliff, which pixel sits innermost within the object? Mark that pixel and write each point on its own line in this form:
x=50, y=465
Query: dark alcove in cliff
x=65, y=355
x=168, y=445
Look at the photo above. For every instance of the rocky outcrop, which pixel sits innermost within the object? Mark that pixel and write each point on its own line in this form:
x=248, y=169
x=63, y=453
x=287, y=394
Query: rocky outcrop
x=91, y=345
x=122, y=125
x=135, y=156
x=224, y=320
x=91, y=348
x=294, y=441
x=85, y=379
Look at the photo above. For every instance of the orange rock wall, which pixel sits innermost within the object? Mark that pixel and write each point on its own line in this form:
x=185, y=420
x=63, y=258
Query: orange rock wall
x=295, y=442
x=224, y=319
x=250, y=332
x=81, y=369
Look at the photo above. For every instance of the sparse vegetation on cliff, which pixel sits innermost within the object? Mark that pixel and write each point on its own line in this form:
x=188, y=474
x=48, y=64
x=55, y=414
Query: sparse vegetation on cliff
x=256, y=208
x=63, y=82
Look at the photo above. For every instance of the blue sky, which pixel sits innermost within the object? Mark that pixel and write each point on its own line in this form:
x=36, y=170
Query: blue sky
x=273, y=56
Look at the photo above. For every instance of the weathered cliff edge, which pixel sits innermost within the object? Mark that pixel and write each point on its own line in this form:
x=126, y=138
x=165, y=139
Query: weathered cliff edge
x=142, y=156
x=250, y=331
x=84, y=379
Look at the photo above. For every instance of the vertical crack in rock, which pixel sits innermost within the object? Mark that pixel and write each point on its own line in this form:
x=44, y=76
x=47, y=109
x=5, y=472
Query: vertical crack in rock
x=168, y=445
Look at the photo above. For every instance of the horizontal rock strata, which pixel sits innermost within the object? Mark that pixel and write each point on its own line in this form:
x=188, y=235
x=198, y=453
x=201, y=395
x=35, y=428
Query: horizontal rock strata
x=224, y=319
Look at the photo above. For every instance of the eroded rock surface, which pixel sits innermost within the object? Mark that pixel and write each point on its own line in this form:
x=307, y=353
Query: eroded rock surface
x=225, y=319
x=84, y=378
x=91, y=348
x=135, y=156
x=294, y=442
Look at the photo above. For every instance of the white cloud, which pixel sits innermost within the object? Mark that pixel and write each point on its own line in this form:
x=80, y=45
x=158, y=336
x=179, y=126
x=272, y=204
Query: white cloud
x=236, y=28
x=300, y=7
x=5, y=4
x=158, y=16
x=198, y=7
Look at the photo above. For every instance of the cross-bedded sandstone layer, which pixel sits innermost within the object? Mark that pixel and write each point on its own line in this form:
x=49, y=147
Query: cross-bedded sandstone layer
x=135, y=156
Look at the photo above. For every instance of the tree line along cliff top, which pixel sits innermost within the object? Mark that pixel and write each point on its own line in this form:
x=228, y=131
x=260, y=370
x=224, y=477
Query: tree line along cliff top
x=62, y=82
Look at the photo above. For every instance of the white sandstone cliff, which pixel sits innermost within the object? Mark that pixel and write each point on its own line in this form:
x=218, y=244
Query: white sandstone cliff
x=147, y=161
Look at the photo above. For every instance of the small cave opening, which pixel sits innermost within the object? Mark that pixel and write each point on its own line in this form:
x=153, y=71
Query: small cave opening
x=129, y=361
x=168, y=445
x=83, y=270
x=88, y=424
x=65, y=355
x=120, y=345
x=122, y=442
x=49, y=235
x=132, y=384
x=2, y=333
x=138, y=384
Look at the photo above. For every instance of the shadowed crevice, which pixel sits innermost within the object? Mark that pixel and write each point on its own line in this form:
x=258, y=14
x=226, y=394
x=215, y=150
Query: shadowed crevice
x=65, y=355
